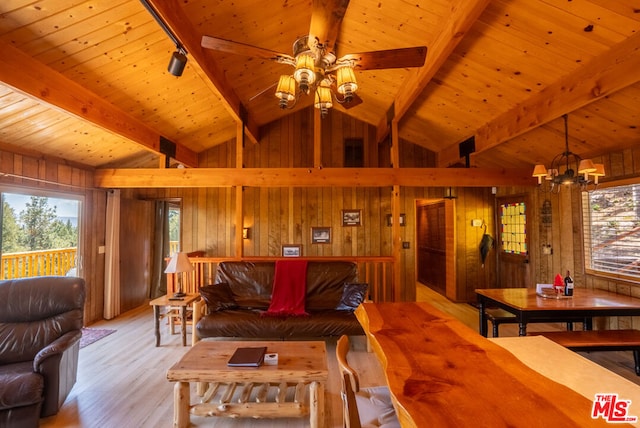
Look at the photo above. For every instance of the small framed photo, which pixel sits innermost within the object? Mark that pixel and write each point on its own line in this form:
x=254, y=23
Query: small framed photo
x=320, y=235
x=291, y=250
x=351, y=218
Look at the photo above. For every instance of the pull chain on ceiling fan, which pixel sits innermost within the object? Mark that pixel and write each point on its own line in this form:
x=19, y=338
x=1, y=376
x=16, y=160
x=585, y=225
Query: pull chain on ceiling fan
x=316, y=67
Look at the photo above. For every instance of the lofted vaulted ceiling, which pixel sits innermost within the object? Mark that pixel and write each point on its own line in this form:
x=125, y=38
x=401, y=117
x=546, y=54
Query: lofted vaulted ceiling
x=87, y=80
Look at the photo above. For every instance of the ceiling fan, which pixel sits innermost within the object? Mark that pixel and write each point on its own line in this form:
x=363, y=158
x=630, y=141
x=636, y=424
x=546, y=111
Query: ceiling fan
x=316, y=66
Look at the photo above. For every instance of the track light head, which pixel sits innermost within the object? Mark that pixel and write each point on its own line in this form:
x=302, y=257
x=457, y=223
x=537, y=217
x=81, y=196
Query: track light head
x=177, y=63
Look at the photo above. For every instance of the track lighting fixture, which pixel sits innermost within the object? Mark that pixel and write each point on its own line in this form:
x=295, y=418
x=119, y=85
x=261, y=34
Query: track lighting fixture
x=178, y=62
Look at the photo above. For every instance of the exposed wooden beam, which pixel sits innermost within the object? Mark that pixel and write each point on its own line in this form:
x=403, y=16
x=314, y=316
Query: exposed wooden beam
x=36, y=80
x=603, y=75
x=311, y=177
x=173, y=15
x=463, y=15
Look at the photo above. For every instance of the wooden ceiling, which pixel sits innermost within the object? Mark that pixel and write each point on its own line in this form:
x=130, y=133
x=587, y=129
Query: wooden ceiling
x=87, y=81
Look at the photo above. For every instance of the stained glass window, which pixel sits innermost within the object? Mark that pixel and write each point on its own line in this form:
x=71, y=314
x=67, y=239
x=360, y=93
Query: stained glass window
x=513, y=228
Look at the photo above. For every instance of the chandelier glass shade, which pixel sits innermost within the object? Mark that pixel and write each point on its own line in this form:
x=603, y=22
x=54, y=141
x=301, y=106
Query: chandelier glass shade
x=567, y=168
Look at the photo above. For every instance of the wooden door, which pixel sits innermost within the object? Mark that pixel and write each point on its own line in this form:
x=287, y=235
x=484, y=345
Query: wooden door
x=136, y=237
x=432, y=249
x=513, y=241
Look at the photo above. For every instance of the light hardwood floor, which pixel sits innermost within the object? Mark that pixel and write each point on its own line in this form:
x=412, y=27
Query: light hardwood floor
x=122, y=378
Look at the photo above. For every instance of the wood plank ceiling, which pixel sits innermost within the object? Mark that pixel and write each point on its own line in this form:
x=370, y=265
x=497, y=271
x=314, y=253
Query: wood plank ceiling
x=87, y=80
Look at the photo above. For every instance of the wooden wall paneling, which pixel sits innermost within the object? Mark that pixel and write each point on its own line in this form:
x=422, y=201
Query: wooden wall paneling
x=209, y=224
x=260, y=210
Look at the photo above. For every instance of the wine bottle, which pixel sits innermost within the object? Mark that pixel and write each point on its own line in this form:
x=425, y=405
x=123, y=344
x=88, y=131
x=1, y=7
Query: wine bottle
x=568, y=285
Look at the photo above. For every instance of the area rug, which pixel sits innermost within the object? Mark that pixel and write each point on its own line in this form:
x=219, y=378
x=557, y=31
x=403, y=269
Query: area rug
x=91, y=335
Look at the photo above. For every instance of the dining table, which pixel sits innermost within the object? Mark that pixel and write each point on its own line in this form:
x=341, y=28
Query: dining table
x=528, y=304
x=442, y=373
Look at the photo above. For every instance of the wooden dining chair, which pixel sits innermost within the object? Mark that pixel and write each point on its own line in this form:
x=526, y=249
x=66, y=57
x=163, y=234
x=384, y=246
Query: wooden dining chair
x=362, y=407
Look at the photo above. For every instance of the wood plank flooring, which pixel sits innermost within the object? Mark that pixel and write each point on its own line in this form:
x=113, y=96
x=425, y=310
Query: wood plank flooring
x=122, y=378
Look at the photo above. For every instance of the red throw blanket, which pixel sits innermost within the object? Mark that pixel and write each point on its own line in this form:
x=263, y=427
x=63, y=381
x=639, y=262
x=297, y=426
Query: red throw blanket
x=289, y=289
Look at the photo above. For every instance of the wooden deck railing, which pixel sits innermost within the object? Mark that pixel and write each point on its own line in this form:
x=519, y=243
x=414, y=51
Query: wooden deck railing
x=375, y=271
x=38, y=263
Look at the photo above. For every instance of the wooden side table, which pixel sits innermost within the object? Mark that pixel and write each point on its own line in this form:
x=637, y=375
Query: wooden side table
x=171, y=303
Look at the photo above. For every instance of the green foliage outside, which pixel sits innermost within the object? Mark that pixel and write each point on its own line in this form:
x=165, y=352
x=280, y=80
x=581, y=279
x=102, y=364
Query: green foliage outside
x=35, y=228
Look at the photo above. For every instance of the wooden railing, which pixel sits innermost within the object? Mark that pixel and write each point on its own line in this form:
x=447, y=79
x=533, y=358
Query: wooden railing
x=375, y=271
x=38, y=263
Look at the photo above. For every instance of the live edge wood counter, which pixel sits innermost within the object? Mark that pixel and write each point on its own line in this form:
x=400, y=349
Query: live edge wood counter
x=443, y=374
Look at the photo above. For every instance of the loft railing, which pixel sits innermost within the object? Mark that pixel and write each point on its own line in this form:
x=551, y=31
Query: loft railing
x=38, y=263
x=375, y=271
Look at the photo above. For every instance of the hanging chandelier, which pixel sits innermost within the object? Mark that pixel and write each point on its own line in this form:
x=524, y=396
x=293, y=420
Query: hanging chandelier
x=317, y=73
x=563, y=169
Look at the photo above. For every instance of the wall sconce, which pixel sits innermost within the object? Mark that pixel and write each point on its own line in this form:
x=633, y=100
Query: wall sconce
x=450, y=193
x=245, y=233
x=403, y=220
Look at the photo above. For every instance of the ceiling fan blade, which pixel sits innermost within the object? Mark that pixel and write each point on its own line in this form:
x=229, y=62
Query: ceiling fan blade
x=238, y=48
x=392, y=58
x=326, y=17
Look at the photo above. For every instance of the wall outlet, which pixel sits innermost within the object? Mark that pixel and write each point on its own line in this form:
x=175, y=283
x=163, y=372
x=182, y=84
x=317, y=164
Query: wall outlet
x=476, y=222
x=405, y=245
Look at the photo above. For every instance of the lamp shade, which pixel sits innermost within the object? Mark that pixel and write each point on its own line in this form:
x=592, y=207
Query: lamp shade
x=539, y=171
x=346, y=80
x=305, y=74
x=323, y=97
x=599, y=172
x=179, y=263
x=286, y=90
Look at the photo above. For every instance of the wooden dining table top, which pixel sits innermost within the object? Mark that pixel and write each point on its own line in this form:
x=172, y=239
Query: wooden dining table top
x=442, y=373
x=527, y=299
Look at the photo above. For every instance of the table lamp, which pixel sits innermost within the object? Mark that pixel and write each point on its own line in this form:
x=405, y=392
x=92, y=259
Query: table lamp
x=179, y=263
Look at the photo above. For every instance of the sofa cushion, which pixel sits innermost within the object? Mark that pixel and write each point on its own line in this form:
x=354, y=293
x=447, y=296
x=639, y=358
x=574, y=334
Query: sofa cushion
x=250, y=324
x=353, y=294
x=20, y=385
x=218, y=297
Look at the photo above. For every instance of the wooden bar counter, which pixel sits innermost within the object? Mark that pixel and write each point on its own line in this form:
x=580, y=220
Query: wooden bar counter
x=443, y=374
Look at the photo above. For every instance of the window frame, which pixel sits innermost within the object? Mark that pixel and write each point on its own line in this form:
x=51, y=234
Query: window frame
x=586, y=233
x=32, y=191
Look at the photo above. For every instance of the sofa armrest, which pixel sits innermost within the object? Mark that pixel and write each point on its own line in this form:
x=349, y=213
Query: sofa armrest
x=58, y=364
x=199, y=309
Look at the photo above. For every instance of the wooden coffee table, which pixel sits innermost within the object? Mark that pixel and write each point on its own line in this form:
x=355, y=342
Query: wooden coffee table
x=268, y=391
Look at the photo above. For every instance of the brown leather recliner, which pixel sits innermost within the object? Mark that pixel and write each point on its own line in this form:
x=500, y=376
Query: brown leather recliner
x=40, y=328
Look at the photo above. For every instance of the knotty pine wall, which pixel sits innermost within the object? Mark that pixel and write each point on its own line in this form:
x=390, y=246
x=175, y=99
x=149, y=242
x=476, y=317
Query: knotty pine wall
x=31, y=172
x=278, y=216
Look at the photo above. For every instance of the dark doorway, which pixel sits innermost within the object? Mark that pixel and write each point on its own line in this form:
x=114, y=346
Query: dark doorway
x=432, y=248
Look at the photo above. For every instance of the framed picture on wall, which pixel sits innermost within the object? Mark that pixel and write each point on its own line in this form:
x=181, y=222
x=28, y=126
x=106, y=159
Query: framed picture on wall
x=320, y=235
x=291, y=250
x=351, y=218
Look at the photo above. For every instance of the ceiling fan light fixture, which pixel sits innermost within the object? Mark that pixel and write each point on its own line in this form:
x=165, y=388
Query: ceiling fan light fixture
x=346, y=82
x=286, y=90
x=305, y=74
x=323, y=100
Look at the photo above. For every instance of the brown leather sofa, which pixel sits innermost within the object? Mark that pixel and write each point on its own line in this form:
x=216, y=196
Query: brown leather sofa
x=40, y=329
x=332, y=293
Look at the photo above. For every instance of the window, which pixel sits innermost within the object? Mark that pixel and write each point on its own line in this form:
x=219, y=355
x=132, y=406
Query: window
x=39, y=235
x=611, y=219
x=353, y=152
